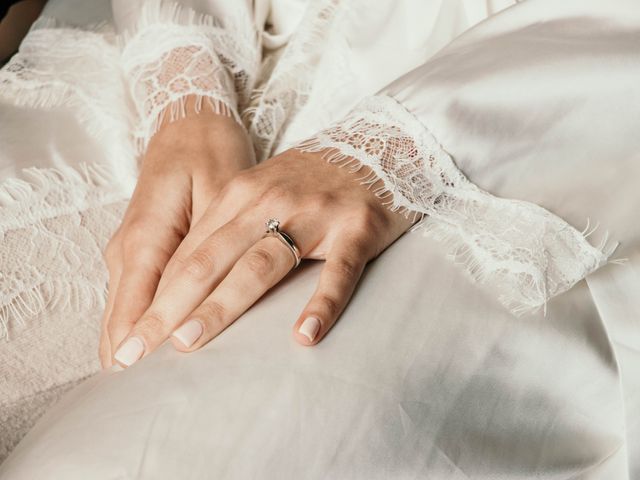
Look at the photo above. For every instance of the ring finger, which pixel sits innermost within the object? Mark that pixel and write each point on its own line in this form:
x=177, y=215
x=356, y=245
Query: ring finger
x=266, y=263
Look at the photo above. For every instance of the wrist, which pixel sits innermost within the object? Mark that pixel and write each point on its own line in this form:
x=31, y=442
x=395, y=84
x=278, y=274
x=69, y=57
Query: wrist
x=195, y=126
x=201, y=139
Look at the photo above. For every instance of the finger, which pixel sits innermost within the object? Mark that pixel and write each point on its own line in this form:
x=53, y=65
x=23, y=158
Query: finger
x=212, y=220
x=340, y=275
x=105, y=345
x=259, y=269
x=136, y=289
x=191, y=284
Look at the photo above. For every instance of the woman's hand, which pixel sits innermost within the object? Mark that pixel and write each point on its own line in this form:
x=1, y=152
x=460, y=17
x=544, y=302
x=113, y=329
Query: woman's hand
x=186, y=164
x=224, y=264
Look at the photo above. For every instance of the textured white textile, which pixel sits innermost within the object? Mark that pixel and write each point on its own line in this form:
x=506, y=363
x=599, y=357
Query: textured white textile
x=434, y=378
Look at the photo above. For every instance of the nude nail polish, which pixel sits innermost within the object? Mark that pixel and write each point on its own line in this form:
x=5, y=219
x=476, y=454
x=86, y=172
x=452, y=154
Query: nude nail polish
x=188, y=332
x=310, y=328
x=130, y=351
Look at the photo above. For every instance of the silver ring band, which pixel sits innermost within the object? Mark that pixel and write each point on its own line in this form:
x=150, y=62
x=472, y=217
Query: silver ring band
x=273, y=230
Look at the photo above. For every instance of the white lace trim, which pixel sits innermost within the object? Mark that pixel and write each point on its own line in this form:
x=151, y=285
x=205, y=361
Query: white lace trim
x=53, y=229
x=526, y=253
x=62, y=66
x=175, y=52
x=54, y=225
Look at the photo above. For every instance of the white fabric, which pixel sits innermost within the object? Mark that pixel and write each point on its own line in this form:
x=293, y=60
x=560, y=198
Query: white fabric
x=430, y=380
x=425, y=375
x=524, y=251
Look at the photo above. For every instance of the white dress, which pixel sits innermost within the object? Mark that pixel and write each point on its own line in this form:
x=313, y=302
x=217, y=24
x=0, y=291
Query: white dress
x=507, y=140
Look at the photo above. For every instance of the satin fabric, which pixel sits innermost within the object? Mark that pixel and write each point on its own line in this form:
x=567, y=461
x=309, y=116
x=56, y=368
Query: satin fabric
x=425, y=375
x=432, y=379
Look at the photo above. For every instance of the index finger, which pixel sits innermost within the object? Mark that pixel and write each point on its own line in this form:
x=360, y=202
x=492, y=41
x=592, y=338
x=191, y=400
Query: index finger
x=195, y=278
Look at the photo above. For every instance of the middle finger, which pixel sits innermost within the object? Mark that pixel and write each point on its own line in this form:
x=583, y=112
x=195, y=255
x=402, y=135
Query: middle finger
x=260, y=268
x=204, y=268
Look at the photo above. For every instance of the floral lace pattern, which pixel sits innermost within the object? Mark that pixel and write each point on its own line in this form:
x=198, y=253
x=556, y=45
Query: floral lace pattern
x=525, y=252
x=175, y=53
x=53, y=230
x=54, y=225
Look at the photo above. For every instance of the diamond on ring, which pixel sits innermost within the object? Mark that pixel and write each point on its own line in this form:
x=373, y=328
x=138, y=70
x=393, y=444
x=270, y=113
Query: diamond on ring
x=272, y=225
x=273, y=230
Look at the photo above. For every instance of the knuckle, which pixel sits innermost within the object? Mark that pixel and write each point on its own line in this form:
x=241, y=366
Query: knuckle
x=134, y=237
x=214, y=313
x=199, y=264
x=239, y=185
x=152, y=324
x=369, y=219
x=260, y=262
x=117, y=328
x=176, y=263
x=361, y=246
x=330, y=304
x=323, y=201
x=276, y=193
x=346, y=268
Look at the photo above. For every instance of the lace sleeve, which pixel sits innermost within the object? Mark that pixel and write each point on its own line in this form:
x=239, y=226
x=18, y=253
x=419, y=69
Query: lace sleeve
x=526, y=253
x=174, y=53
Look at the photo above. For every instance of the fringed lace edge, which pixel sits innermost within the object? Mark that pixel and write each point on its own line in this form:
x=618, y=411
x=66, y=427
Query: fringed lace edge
x=158, y=13
x=26, y=204
x=48, y=84
x=446, y=220
x=51, y=295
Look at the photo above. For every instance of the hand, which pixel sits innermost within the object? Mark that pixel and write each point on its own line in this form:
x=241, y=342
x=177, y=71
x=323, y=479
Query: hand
x=185, y=165
x=224, y=264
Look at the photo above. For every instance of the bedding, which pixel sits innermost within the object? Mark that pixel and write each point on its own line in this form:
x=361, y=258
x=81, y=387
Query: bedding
x=427, y=375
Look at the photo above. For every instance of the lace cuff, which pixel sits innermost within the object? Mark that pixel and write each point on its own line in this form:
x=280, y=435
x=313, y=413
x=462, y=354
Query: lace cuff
x=524, y=252
x=175, y=52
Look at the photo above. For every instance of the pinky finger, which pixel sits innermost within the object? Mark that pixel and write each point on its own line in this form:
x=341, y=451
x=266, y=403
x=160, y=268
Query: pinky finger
x=338, y=280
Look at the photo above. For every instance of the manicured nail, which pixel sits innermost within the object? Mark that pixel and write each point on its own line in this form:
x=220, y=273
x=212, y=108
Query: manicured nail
x=189, y=332
x=130, y=351
x=310, y=327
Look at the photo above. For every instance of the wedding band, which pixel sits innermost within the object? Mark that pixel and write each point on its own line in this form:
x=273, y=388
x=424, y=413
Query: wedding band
x=273, y=230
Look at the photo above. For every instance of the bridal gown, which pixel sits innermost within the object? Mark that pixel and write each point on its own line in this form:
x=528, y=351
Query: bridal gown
x=499, y=338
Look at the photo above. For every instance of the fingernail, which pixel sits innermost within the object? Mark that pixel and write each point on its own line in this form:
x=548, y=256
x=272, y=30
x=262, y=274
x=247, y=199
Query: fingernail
x=310, y=327
x=130, y=351
x=189, y=332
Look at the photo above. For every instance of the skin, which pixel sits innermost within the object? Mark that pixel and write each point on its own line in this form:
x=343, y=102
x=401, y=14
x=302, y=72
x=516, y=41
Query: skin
x=207, y=248
x=186, y=164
